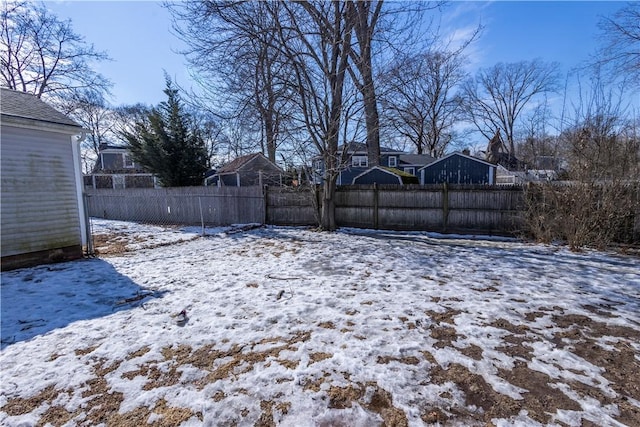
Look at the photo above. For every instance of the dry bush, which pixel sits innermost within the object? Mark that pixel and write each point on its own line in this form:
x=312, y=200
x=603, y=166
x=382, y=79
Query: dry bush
x=584, y=214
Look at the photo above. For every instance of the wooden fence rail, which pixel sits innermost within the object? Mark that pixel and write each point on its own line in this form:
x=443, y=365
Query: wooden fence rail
x=453, y=208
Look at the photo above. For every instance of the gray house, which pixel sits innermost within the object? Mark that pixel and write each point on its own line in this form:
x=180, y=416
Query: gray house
x=115, y=168
x=458, y=168
x=249, y=170
x=42, y=211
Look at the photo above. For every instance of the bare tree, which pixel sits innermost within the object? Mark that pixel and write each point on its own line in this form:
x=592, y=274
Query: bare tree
x=92, y=111
x=41, y=54
x=365, y=15
x=495, y=98
x=600, y=142
x=370, y=28
x=597, y=139
x=537, y=147
x=316, y=40
x=232, y=48
x=621, y=49
x=422, y=100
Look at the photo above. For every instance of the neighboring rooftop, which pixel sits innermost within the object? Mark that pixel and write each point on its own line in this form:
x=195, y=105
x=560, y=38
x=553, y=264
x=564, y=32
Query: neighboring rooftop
x=27, y=106
x=241, y=161
x=356, y=147
x=416, y=159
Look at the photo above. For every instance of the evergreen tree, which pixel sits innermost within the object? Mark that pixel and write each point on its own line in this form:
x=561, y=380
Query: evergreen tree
x=169, y=144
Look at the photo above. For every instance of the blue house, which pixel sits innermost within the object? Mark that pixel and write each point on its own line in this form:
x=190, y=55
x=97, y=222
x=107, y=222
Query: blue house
x=353, y=161
x=458, y=168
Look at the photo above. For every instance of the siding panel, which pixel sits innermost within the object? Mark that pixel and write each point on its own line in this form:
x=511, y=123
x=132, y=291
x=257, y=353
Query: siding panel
x=39, y=201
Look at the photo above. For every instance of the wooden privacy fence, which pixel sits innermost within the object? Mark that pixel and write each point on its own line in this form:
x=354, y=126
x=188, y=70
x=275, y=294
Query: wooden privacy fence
x=442, y=208
x=182, y=205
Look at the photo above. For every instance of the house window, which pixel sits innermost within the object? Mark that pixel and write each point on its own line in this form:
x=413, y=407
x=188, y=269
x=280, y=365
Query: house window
x=359, y=161
x=128, y=161
x=118, y=182
x=393, y=161
x=319, y=165
x=412, y=171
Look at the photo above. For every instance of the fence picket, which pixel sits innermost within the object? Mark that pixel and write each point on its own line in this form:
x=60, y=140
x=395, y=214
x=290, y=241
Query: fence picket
x=456, y=208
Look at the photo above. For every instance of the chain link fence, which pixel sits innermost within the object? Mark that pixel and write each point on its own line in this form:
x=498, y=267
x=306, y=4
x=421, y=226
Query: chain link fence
x=206, y=206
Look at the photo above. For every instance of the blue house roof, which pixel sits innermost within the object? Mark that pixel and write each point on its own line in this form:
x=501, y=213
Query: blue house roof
x=384, y=175
x=442, y=159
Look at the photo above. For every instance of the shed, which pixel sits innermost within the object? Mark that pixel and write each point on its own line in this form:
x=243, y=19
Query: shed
x=458, y=168
x=249, y=170
x=384, y=175
x=42, y=210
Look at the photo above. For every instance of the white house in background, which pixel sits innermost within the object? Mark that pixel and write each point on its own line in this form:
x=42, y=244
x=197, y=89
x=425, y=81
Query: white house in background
x=42, y=208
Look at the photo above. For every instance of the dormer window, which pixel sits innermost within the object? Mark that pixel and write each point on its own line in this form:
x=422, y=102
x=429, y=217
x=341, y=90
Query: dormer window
x=359, y=161
x=393, y=161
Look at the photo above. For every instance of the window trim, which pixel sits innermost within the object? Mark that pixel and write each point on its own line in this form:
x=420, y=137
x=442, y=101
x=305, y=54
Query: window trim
x=359, y=161
x=132, y=164
x=395, y=161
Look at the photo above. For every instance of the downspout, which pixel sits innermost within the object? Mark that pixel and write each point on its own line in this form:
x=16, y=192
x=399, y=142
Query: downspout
x=82, y=208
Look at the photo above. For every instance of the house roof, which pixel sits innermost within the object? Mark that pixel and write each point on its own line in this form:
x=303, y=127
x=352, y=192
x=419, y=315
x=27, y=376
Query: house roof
x=108, y=147
x=242, y=161
x=457, y=153
x=356, y=147
x=24, y=105
x=403, y=177
x=416, y=159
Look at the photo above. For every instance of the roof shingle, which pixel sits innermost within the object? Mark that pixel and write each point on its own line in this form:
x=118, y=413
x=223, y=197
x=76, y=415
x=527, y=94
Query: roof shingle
x=28, y=106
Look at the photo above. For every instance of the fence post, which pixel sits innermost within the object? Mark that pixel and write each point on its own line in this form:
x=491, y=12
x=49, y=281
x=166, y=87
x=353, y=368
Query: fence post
x=201, y=215
x=445, y=206
x=375, y=206
x=318, y=197
x=265, y=193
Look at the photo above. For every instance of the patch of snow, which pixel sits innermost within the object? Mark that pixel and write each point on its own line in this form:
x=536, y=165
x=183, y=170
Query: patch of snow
x=292, y=313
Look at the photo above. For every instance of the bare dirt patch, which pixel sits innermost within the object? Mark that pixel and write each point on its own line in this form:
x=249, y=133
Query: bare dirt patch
x=447, y=316
x=477, y=393
x=19, y=405
x=380, y=402
x=109, y=244
x=327, y=325
x=444, y=335
x=472, y=351
x=540, y=399
x=117, y=242
x=317, y=357
x=407, y=360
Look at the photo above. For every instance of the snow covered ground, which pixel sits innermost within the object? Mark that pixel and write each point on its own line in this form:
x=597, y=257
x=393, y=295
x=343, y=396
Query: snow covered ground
x=292, y=327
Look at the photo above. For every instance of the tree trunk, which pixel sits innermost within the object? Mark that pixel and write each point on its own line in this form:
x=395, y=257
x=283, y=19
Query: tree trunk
x=360, y=13
x=372, y=120
x=328, y=205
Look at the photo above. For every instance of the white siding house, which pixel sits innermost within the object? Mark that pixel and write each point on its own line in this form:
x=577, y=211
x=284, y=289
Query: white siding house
x=42, y=209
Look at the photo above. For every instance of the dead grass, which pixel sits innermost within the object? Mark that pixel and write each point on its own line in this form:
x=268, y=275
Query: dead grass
x=542, y=398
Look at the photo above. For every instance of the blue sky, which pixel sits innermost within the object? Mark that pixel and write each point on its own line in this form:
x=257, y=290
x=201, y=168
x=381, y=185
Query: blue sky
x=136, y=34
